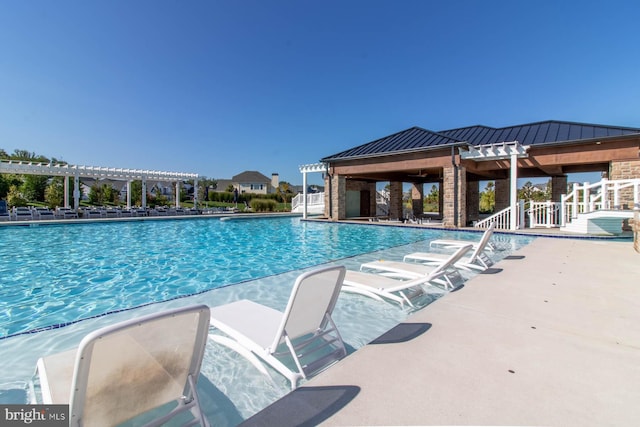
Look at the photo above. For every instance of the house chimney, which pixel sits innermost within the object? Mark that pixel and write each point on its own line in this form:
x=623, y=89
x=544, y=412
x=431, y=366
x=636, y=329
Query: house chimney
x=275, y=180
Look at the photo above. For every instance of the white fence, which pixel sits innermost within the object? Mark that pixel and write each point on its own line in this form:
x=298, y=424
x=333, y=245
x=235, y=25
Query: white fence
x=315, y=203
x=603, y=195
x=503, y=218
x=544, y=214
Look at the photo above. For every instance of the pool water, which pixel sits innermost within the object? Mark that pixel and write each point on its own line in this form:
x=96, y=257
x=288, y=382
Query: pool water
x=84, y=276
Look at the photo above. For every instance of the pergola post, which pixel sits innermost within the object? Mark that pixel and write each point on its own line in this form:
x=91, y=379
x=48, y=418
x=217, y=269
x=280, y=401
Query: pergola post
x=66, y=191
x=514, y=191
x=195, y=193
x=305, y=169
x=177, y=194
x=144, y=192
x=76, y=191
x=304, y=194
x=498, y=151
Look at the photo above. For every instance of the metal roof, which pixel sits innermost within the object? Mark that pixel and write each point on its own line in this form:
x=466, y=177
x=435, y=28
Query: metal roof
x=551, y=131
x=538, y=133
x=413, y=139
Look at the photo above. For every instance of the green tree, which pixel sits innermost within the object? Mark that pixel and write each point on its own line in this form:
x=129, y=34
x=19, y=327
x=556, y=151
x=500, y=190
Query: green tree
x=432, y=200
x=95, y=195
x=136, y=193
x=530, y=192
x=15, y=198
x=33, y=187
x=54, y=193
x=4, y=186
x=109, y=194
x=488, y=198
x=284, y=192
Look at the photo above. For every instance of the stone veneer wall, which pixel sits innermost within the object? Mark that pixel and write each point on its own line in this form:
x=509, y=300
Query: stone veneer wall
x=336, y=198
x=473, y=201
x=395, y=200
x=558, y=187
x=503, y=190
x=629, y=169
x=448, y=184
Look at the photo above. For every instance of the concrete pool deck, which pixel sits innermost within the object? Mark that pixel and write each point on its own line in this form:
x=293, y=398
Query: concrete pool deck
x=553, y=339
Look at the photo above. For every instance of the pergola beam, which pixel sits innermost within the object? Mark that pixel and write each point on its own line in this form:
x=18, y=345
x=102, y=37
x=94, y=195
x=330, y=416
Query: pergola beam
x=500, y=151
x=95, y=172
x=305, y=169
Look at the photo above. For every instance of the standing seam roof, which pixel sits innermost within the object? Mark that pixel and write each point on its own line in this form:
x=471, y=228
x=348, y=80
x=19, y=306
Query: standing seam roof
x=416, y=138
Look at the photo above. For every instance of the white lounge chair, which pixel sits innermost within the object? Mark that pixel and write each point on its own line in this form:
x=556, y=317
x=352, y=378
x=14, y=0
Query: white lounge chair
x=450, y=276
x=456, y=243
x=383, y=288
x=297, y=343
x=127, y=369
x=478, y=260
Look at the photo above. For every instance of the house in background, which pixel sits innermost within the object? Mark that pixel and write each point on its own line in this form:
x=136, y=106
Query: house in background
x=250, y=182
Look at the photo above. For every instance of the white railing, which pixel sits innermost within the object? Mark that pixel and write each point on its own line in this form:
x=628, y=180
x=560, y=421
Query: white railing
x=314, y=200
x=544, y=214
x=600, y=195
x=503, y=218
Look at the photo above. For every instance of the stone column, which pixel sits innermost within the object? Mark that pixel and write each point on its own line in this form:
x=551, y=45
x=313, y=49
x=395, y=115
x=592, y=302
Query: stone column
x=628, y=169
x=417, y=199
x=441, y=199
x=335, y=197
x=473, y=201
x=558, y=187
x=395, y=200
x=454, y=211
x=502, y=188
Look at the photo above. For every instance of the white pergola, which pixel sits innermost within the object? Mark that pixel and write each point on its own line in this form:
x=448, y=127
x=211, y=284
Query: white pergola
x=104, y=173
x=305, y=169
x=505, y=150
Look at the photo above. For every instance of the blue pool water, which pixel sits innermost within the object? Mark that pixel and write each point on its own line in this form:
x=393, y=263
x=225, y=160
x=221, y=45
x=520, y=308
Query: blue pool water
x=52, y=275
x=89, y=275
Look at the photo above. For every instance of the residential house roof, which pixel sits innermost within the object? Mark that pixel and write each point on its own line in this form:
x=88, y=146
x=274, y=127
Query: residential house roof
x=250, y=177
x=546, y=132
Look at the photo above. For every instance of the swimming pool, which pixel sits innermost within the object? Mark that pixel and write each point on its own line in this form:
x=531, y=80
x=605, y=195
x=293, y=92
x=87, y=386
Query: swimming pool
x=89, y=275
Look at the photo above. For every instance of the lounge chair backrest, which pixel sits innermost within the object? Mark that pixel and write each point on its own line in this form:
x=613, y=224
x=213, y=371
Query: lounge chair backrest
x=483, y=242
x=132, y=367
x=455, y=257
x=312, y=301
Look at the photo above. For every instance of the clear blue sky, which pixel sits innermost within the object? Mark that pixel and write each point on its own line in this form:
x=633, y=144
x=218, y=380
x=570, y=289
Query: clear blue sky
x=220, y=87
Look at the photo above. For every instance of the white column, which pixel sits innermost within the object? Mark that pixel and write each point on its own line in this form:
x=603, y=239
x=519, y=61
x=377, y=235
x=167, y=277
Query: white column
x=144, y=192
x=304, y=195
x=66, y=191
x=177, y=194
x=195, y=193
x=76, y=192
x=514, y=191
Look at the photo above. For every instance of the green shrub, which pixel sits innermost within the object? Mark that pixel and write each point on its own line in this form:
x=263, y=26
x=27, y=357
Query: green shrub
x=263, y=205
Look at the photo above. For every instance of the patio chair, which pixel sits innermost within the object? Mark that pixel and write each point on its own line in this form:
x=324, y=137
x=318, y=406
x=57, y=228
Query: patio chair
x=298, y=343
x=383, y=288
x=4, y=214
x=127, y=369
x=450, y=278
x=478, y=260
x=456, y=243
